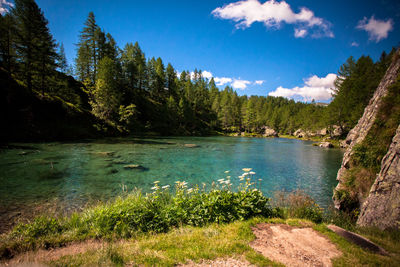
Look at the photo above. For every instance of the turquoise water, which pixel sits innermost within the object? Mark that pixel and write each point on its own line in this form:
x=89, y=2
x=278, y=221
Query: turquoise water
x=77, y=173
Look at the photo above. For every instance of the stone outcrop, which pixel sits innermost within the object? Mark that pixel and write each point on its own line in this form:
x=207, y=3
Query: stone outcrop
x=322, y=132
x=360, y=131
x=269, y=132
x=299, y=133
x=382, y=207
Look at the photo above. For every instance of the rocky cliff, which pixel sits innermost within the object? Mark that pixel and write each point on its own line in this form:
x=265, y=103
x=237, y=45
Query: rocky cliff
x=382, y=207
x=357, y=135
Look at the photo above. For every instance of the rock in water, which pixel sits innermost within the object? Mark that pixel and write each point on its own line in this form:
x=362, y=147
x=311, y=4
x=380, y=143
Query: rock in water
x=382, y=207
x=191, y=145
x=135, y=167
x=325, y=144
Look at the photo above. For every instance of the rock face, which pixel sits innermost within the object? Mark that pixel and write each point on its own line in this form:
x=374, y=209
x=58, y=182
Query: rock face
x=360, y=131
x=269, y=132
x=382, y=207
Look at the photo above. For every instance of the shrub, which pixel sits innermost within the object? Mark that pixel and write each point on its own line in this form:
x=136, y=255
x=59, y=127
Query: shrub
x=297, y=205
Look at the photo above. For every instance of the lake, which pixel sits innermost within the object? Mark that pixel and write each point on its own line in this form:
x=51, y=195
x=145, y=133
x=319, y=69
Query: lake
x=73, y=174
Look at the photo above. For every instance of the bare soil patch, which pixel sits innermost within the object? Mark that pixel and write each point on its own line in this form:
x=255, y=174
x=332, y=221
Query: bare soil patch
x=223, y=262
x=293, y=246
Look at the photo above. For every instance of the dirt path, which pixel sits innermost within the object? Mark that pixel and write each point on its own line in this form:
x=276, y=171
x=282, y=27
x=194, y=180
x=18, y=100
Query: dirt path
x=34, y=258
x=293, y=246
x=225, y=262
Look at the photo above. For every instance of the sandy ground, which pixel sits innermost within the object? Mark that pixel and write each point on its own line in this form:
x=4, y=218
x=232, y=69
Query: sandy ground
x=293, y=246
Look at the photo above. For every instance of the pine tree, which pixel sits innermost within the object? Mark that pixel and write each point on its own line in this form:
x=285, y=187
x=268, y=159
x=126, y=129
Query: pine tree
x=106, y=98
x=62, y=59
x=88, y=50
x=7, y=43
x=35, y=45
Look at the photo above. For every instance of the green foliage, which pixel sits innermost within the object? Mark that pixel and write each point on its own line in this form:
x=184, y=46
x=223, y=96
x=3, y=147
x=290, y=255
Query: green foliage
x=297, y=205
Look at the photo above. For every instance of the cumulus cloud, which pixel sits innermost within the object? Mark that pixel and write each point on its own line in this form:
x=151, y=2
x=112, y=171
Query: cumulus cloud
x=300, y=33
x=377, y=29
x=205, y=74
x=222, y=80
x=240, y=84
x=273, y=14
x=317, y=88
x=4, y=6
x=355, y=44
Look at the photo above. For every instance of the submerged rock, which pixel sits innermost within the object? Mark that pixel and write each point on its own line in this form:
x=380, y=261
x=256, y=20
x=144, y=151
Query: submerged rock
x=135, y=167
x=105, y=153
x=113, y=171
x=191, y=145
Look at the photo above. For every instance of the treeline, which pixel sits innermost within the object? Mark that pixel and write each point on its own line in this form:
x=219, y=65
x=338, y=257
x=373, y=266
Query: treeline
x=135, y=94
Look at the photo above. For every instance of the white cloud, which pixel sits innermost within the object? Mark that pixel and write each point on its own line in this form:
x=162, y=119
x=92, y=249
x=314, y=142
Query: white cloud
x=377, y=29
x=300, y=33
x=222, y=80
x=355, y=44
x=206, y=74
x=4, y=6
x=240, y=84
x=319, y=89
x=273, y=14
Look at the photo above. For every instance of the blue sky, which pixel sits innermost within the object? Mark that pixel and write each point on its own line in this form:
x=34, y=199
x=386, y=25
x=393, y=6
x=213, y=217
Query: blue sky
x=292, y=48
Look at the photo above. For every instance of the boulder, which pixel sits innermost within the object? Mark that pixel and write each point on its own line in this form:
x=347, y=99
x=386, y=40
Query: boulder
x=322, y=132
x=325, y=144
x=336, y=131
x=269, y=132
x=299, y=133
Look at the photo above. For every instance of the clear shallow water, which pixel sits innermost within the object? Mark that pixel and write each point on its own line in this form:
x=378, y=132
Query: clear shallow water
x=77, y=173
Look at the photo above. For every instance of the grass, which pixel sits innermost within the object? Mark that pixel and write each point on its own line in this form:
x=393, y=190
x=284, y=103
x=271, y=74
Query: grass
x=177, y=246
x=222, y=241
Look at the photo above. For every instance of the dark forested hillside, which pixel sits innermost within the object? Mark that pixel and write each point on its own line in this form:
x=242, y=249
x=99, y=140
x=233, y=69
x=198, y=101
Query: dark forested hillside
x=113, y=89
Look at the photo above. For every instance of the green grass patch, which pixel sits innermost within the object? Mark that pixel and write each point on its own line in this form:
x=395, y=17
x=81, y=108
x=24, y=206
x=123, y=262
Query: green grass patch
x=177, y=246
